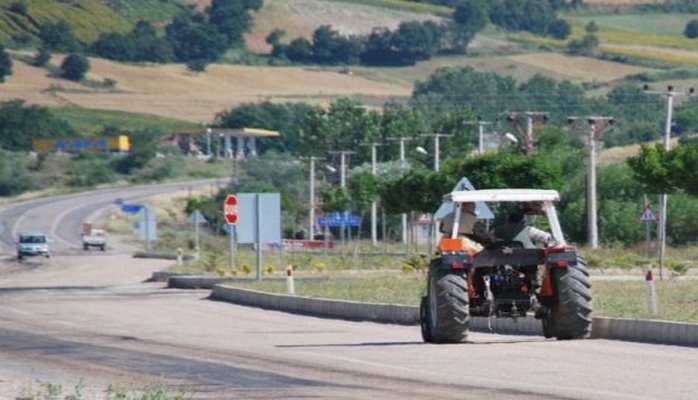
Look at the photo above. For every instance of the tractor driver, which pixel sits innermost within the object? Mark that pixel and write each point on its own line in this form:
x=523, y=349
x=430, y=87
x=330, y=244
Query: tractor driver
x=516, y=229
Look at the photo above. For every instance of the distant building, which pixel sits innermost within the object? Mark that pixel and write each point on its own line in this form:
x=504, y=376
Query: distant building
x=221, y=140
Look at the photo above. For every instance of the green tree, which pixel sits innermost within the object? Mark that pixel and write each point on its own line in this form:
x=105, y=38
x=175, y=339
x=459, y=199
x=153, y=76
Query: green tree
x=335, y=198
x=19, y=7
x=58, y=36
x=416, y=41
x=5, y=64
x=470, y=17
x=90, y=170
x=75, y=66
x=363, y=188
x=232, y=18
x=691, y=30
x=378, y=48
x=652, y=169
x=559, y=29
x=274, y=38
x=344, y=126
x=114, y=46
x=42, y=57
x=192, y=38
x=326, y=44
x=19, y=124
x=14, y=174
x=588, y=43
x=507, y=170
x=299, y=50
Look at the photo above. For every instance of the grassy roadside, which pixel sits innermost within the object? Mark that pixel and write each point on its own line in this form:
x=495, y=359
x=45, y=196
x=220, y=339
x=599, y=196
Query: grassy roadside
x=399, y=279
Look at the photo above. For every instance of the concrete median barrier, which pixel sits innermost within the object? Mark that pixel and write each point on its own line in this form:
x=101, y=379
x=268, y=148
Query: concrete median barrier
x=649, y=331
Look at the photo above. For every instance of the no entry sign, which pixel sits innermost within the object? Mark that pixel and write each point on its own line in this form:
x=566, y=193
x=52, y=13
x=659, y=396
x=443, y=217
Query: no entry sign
x=230, y=209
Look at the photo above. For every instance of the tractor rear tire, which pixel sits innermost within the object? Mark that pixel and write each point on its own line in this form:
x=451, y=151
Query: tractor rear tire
x=570, y=318
x=448, y=307
x=424, y=319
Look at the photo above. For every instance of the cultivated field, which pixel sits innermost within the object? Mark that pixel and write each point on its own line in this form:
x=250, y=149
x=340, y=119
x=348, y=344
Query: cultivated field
x=172, y=91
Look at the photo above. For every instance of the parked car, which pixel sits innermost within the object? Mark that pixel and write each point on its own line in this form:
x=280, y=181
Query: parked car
x=32, y=243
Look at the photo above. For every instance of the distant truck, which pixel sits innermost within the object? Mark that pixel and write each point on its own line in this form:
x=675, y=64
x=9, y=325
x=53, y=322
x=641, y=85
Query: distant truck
x=109, y=144
x=92, y=237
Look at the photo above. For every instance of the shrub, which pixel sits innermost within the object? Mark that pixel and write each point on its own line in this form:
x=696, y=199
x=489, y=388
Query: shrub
x=75, y=66
x=691, y=30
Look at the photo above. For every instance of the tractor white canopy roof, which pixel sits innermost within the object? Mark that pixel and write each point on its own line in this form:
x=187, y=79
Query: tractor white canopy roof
x=502, y=195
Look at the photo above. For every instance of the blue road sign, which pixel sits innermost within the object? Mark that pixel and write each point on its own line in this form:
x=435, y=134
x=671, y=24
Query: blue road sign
x=131, y=208
x=339, y=219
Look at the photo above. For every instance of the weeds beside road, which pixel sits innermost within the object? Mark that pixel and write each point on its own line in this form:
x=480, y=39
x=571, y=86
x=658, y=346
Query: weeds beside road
x=399, y=279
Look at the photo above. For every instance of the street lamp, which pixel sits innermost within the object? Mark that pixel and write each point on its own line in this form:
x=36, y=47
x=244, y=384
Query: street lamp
x=510, y=137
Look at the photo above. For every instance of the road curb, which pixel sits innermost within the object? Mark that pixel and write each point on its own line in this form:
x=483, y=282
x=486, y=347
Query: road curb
x=648, y=331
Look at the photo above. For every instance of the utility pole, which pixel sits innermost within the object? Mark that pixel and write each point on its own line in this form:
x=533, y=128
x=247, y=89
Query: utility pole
x=596, y=127
x=403, y=167
x=669, y=93
x=374, y=207
x=343, y=166
x=311, y=213
x=437, y=150
x=534, y=120
x=481, y=136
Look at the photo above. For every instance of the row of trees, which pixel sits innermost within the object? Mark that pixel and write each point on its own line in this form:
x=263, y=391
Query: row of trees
x=449, y=102
x=415, y=41
x=191, y=36
x=195, y=37
x=411, y=42
x=73, y=67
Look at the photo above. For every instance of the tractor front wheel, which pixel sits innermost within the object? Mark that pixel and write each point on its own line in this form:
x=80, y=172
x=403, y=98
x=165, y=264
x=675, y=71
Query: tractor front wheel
x=448, y=307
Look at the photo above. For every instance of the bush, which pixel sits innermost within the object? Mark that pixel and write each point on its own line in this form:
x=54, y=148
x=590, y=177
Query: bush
x=75, y=66
x=691, y=30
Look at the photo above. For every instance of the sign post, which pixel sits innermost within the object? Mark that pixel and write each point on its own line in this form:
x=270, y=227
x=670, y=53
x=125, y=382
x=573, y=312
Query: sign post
x=651, y=291
x=230, y=212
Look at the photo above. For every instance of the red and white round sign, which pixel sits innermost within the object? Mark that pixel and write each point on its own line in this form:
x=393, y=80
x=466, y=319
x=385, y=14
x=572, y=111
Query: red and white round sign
x=230, y=209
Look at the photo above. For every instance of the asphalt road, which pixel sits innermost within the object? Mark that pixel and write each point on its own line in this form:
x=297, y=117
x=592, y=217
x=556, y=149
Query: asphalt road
x=91, y=318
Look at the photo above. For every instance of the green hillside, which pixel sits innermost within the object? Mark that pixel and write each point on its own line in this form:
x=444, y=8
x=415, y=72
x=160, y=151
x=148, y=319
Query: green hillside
x=21, y=20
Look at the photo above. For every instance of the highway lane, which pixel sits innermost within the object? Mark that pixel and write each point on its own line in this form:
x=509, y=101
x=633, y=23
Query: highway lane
x=91, y=317
x=62, y=216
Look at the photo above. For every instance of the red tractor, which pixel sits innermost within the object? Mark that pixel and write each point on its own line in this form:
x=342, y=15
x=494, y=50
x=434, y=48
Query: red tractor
x=519, y=267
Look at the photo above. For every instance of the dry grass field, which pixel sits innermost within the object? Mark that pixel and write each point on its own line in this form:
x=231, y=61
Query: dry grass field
x=173, y=91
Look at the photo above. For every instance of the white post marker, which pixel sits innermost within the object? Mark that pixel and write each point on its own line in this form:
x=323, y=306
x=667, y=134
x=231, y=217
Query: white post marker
x=290, y=286
x=651, y=290
x=179, y=256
